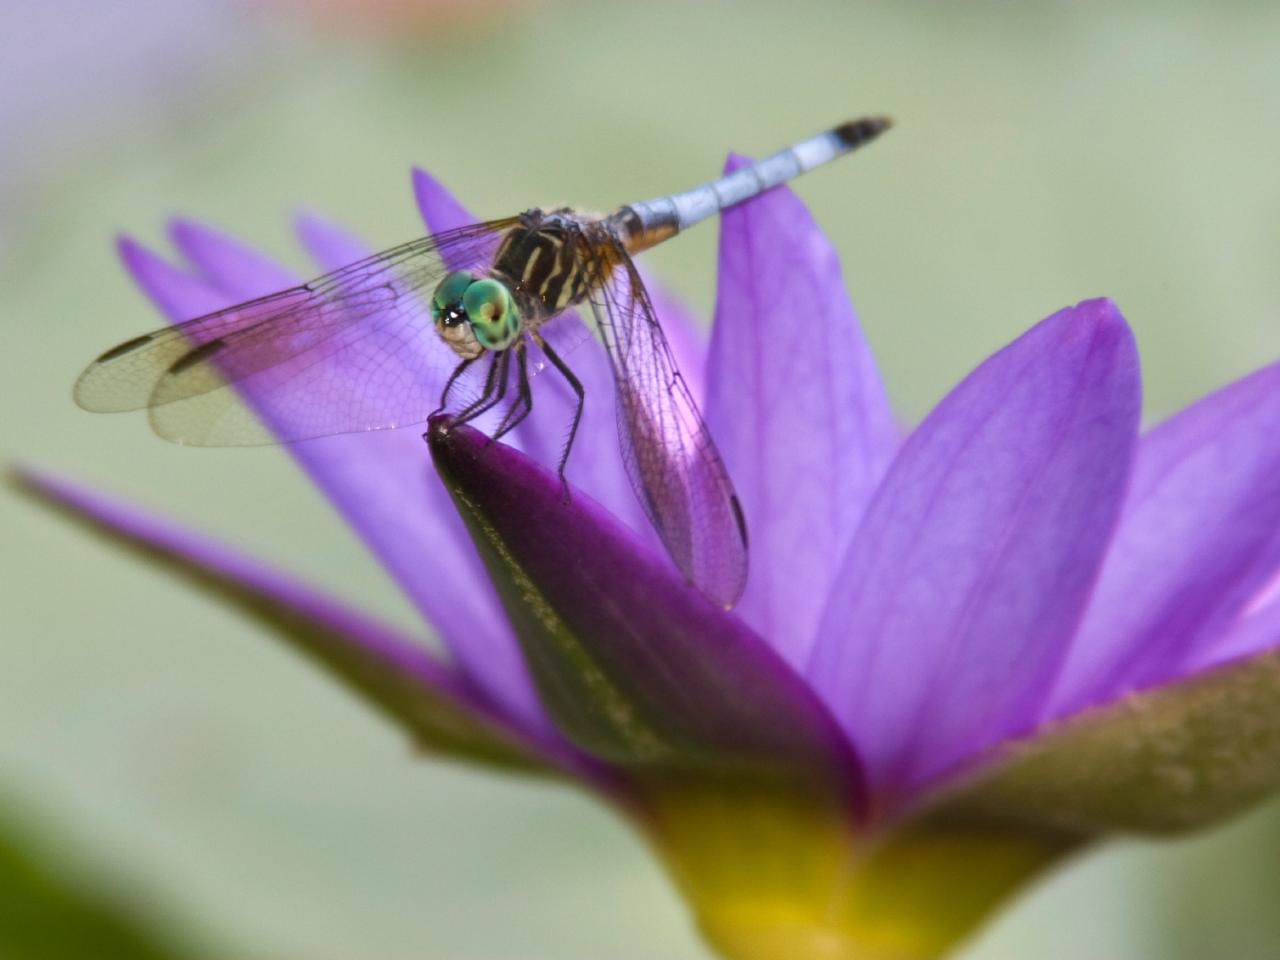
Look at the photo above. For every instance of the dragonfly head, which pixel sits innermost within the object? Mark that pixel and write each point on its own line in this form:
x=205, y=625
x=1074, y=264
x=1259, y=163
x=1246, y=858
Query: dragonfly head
x=473, y=314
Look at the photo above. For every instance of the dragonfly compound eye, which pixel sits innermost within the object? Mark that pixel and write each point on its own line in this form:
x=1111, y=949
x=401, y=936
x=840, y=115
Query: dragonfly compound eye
x=446, y=304
x=492, y=314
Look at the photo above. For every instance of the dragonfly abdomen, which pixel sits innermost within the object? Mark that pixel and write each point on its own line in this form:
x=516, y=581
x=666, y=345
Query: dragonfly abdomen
x=642, y=225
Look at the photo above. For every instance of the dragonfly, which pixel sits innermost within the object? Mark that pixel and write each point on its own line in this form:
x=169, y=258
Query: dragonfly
x=360, y=348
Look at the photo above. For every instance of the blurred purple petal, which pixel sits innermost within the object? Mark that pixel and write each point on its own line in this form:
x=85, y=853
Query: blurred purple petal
x=226, y=262
x=431, y=701
x=970, y=571
x=636, y=666
x=1255, y=632
x=380, y=482
x=796, y=407
x=1199, y=536
x=439, y=210
x=329, y=245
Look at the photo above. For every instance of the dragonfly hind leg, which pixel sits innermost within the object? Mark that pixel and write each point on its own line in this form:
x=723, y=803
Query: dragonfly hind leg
x=576, y=385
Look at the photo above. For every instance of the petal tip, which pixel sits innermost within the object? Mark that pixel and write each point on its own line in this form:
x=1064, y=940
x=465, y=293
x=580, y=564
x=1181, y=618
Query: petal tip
x=180, y=228
x=438, y=208
x=132, y=254
x=1098, y=311
x=305, y=221
x=453, y=444
x=426, y=189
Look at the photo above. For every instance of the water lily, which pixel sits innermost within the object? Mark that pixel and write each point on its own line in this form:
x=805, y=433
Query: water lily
x=965, y=651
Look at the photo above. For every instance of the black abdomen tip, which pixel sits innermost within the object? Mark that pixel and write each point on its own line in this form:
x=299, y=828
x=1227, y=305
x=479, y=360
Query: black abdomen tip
x=857, y=132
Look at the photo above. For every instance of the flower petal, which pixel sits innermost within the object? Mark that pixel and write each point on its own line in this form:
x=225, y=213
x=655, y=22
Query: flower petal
x=1256, y=631
x=380, y=482
x=436, y=706
x=1199, y=536
x=636, y=666
x=967, y=578
x=439, y=209
x=1168, y=759
x=796, y=408
x=737, y=773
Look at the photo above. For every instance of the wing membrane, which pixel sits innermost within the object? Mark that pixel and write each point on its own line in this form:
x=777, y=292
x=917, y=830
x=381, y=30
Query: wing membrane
x=352, y=350
x=673, y=464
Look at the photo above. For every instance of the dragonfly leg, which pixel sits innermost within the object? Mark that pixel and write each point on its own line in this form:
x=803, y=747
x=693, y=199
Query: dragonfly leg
x=495, y=388
x=579, y=392
x=448, y=384
x=524, y=396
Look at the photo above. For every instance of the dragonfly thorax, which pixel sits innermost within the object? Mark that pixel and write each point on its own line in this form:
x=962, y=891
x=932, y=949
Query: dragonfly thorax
x=474, y=314
x=548, y=260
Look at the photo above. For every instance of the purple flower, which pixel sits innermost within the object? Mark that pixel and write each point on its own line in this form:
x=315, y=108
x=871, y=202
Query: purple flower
x=961, y=655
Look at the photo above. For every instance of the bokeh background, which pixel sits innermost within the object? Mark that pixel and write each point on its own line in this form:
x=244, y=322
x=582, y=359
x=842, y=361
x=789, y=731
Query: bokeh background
x=161, y=752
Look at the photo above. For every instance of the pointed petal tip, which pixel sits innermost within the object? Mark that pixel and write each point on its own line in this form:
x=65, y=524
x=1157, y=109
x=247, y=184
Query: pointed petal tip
x=1102, y=310
x=133, y=255
x=421, y=180
x=184, y=230
x=1097, y=315
x=1098, y=323
x=153, y=274
x=439, y=209
x=19, y=478
x=304, y=220
x=439, y=432
x=195, y=241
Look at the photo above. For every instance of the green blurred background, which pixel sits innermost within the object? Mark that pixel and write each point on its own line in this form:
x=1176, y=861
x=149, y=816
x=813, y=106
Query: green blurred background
x=160, y=750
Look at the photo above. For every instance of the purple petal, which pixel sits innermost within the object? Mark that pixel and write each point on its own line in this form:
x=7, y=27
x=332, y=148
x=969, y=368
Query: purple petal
x=1198, y=538
x=380, y=482
x=439, y=210
x=329, y=245
x=1255, y=633
x=225, y=262
x=636, y=666
x=972, y=566
x=392, y=671
x=796, y=408
x=596, y=463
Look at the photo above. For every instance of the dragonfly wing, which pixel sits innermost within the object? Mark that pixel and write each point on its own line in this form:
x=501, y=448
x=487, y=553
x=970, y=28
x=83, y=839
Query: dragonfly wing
x=352, y=350
x=672, y=462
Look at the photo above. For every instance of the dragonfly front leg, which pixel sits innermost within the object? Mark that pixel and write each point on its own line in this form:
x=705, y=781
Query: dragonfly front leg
x=495, y=388
x=524, y=396
x=448, y=384
x=576, y=385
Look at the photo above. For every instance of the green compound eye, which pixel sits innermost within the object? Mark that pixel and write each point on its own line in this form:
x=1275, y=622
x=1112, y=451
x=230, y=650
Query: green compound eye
x=449, y=294
x=492, y=314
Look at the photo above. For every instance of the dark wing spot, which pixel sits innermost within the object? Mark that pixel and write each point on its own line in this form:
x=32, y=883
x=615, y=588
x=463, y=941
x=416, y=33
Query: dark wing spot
x=127, y=347
x=198, y=355
x=739, y=518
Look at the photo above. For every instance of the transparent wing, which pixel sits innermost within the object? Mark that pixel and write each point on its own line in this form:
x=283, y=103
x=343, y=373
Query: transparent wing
x=352, y=350
x=673, y=463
